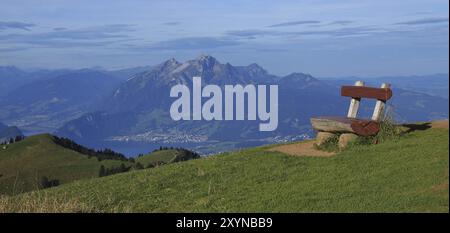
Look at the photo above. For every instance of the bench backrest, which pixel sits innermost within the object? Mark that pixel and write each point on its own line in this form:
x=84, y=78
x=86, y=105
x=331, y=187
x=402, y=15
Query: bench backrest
x=359, y=91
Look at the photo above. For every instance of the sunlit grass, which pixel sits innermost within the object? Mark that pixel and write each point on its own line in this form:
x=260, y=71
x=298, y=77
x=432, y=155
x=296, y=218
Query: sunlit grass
x=405, y=175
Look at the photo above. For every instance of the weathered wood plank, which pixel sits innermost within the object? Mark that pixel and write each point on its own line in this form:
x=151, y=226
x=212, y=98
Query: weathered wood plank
x=351, y=124
x=365, y=127
x=383, y=94
x=332, y=124
x=354, y=103
x=345, y=125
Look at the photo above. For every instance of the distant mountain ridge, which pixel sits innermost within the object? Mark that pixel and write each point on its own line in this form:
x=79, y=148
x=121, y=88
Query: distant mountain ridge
x=42, y=100
x=156, y=82
x=433, y=84
x=9, y=132
x=95, y=106
x=137, y=111
x=2, y=126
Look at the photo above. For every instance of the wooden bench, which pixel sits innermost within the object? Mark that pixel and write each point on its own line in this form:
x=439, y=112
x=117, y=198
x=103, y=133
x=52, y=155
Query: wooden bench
x=351, y=124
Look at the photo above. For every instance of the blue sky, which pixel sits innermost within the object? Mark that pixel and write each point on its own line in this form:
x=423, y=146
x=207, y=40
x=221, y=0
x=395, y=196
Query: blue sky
x=323, y=38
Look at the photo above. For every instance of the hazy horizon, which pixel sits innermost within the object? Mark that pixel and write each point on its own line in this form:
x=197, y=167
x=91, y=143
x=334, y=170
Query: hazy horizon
x=100, y=68
x=321, y=38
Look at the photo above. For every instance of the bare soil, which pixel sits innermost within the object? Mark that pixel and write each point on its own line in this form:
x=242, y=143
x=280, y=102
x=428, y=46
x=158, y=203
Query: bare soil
x=442, y=124
x=306, y=148
x=303, y=148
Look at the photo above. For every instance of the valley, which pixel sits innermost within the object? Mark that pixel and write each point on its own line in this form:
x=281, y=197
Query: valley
x=130, y=108
x=405, y=174
x=25, y=164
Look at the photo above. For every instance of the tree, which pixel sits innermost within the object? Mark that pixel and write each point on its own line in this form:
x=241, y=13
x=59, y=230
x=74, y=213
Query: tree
x=102, y=171
x=122, y=168
x=47, y=183
x=99, y=154
x=138, y=166
x=18, y=138
x=44, y=182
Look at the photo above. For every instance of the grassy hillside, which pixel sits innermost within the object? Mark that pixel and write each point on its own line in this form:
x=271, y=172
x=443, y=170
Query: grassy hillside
x=409, y=174
x=22, y=164
x=166, y=156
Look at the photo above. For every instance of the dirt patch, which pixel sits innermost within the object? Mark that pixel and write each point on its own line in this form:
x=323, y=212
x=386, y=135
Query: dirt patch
x=304, y=148
x=440, y=187
x=442, y=124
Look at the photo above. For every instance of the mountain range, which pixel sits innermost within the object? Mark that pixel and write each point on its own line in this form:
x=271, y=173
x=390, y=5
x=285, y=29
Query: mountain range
x=434, y=84
x=9, y=132
x=130, y=108
x=43, y=100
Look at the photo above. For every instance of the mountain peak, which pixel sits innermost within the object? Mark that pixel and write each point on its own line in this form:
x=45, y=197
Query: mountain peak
x=256, y=71
x=300, y=80
x=301, y=76
x=9, y=132
x=206, y=57
x=256, y=68
x=171, y=61
x=169, y=64
x=205, y=62
x=11, y=70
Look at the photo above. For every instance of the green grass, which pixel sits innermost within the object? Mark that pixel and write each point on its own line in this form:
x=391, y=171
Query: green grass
x=389, y=131
x=23, y=163
x=408, y=174
x=330, y=145
x=166, y=156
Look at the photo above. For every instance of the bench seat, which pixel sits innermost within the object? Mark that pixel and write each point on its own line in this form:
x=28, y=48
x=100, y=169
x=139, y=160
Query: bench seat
x=335, y=124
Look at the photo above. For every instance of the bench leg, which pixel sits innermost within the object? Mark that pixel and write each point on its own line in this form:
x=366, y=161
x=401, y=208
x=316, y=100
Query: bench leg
x=322, y=137
x=345, y=139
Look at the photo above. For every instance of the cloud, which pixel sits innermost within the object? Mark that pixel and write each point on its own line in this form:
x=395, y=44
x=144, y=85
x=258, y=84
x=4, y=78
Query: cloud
x=63, y=37
x=251, y=33
x=59, y=29
x=339, y=32
x=341, y=22
x=16, y=25
x=12, y=49
x=194, y=43
x=293, y=23
x=425, y=21
x=173, y=23
x=270, y=50
x=347, y=31
x=90, y=33
x=187, y=43
x=99, y=32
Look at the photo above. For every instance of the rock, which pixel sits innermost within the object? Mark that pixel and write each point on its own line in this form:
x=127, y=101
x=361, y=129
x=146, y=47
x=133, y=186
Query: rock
x=322, y=137
x=345, y=139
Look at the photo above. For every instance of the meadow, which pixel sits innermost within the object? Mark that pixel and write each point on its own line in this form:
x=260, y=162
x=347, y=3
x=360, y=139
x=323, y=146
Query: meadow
x=406, y=174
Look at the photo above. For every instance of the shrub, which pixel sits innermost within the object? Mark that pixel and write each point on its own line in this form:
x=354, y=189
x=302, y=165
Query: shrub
x=47, y=183
x=330, y=145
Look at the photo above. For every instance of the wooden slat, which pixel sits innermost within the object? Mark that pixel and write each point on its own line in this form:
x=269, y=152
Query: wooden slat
x=332, y=124
x=365, y=127
x=345, y=125
x=366, y=92
x=379, y=106
x=354, y=103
